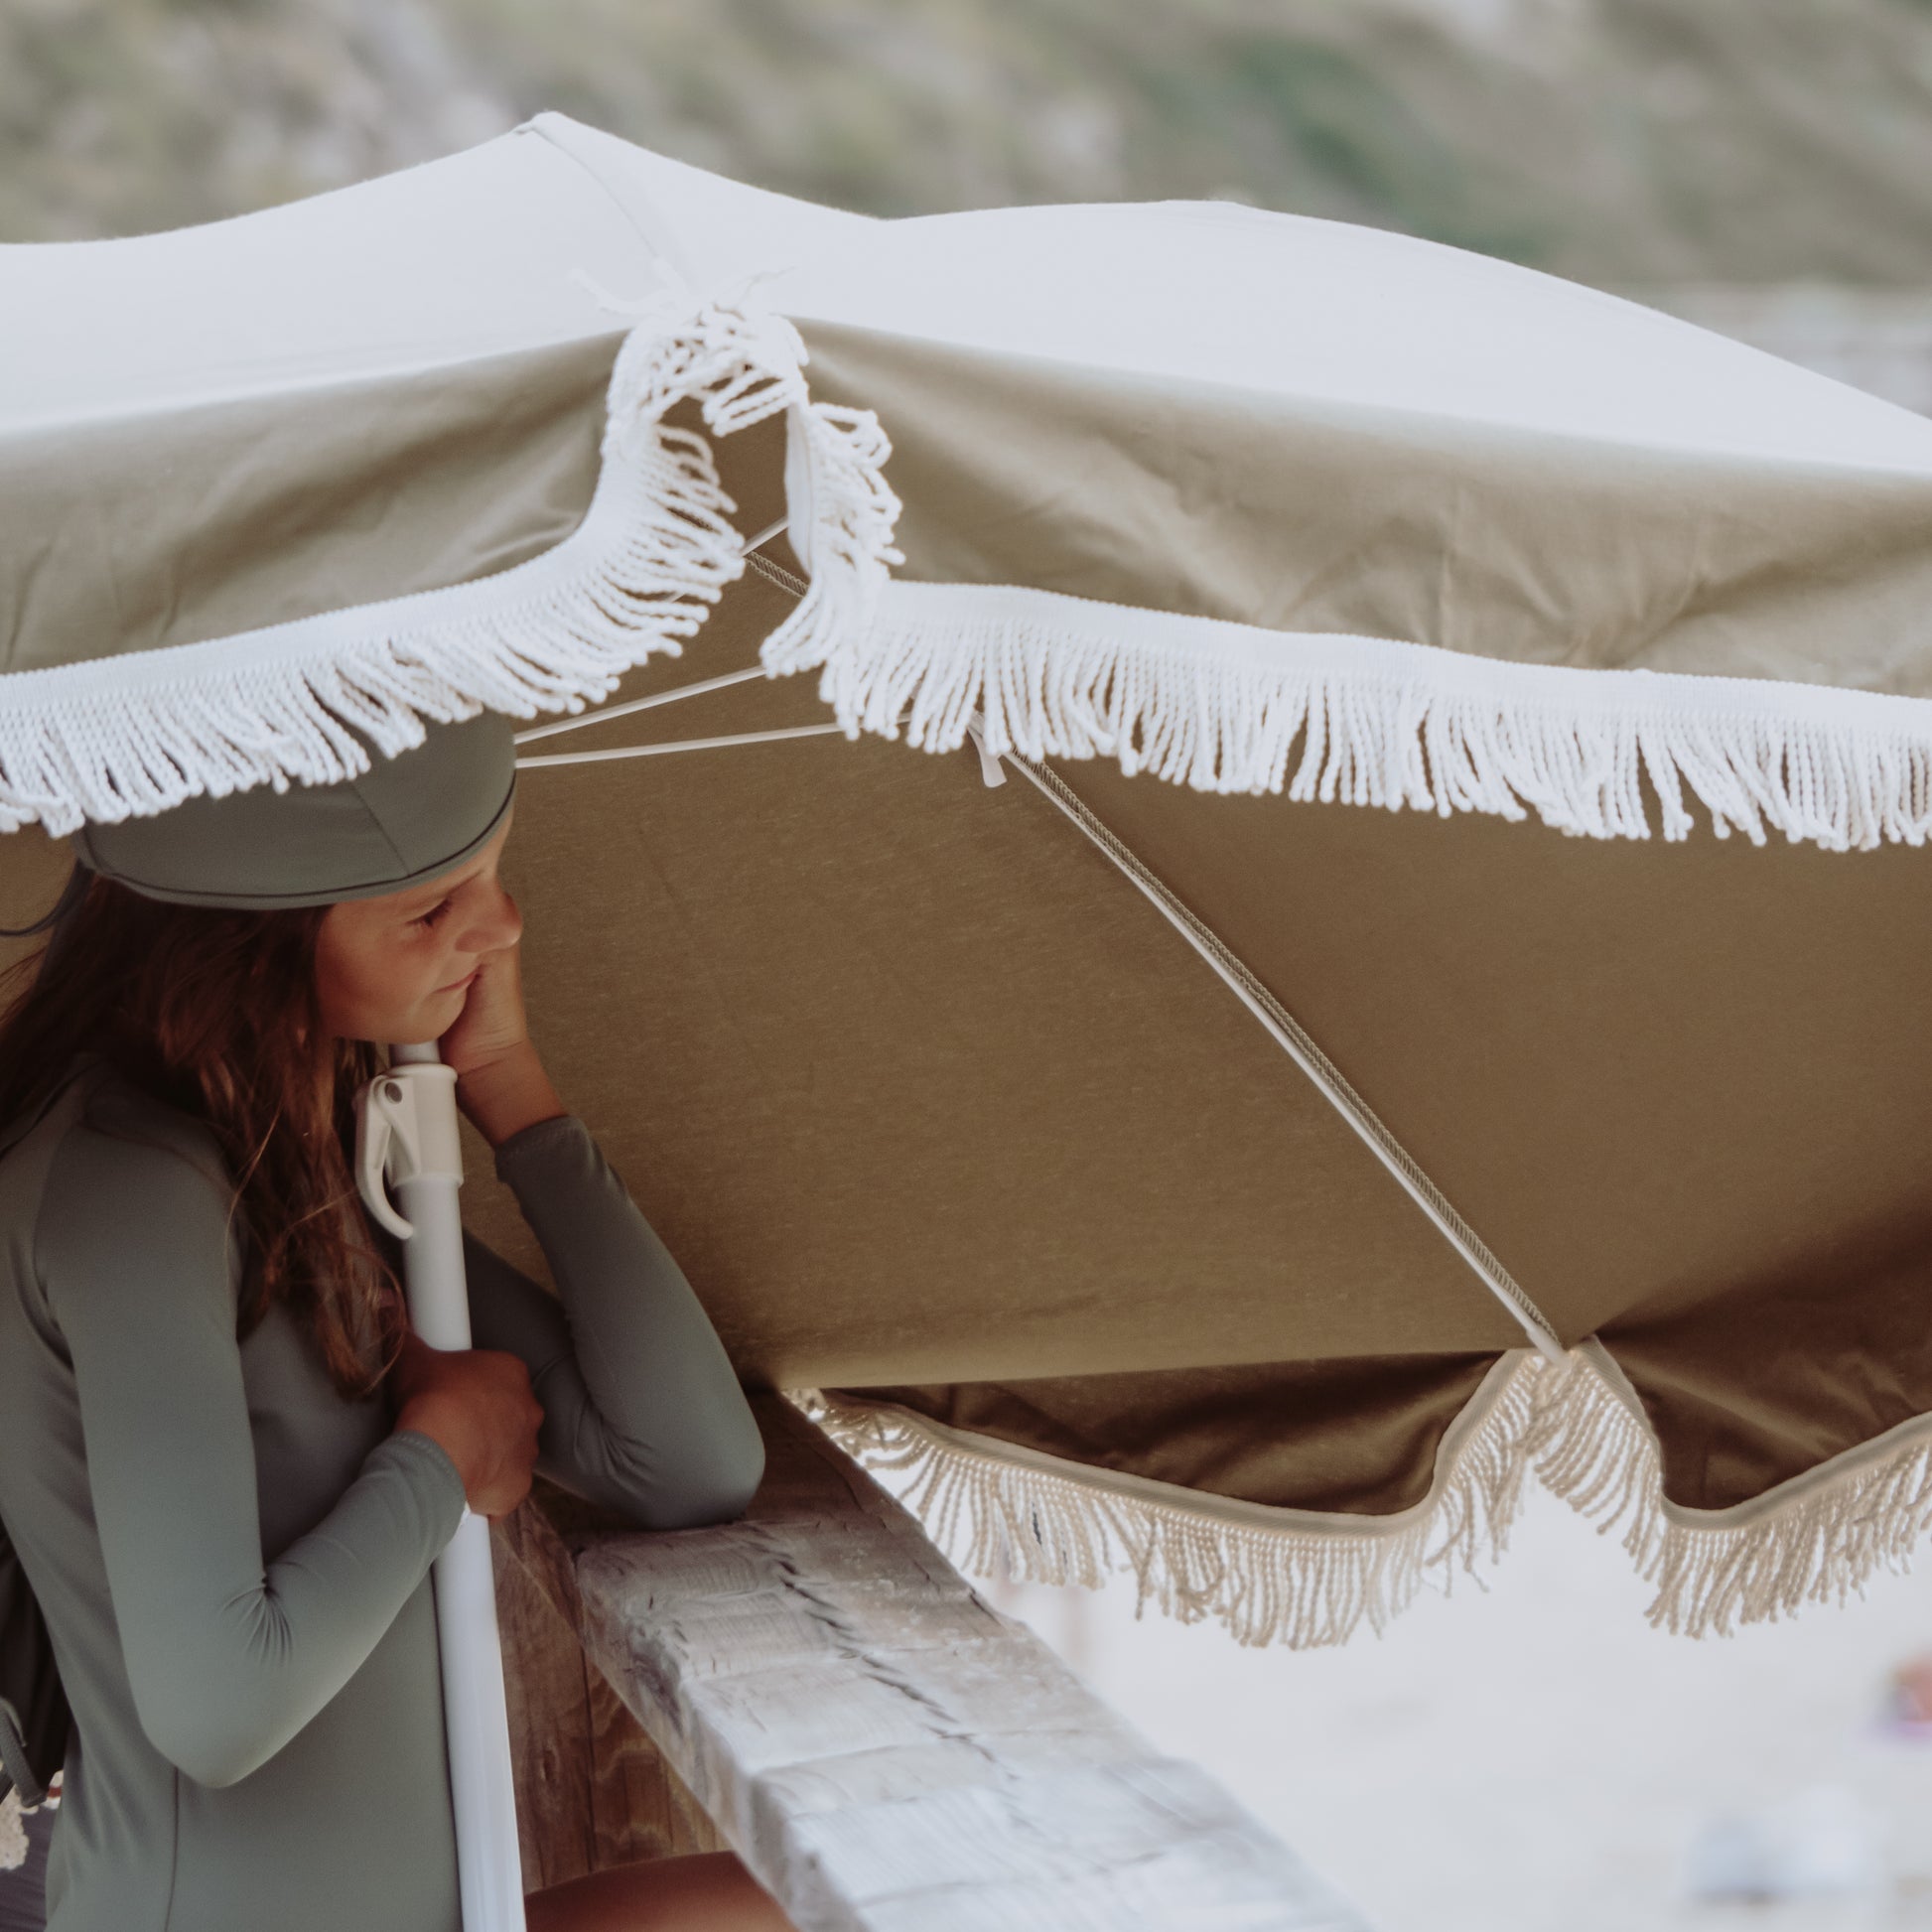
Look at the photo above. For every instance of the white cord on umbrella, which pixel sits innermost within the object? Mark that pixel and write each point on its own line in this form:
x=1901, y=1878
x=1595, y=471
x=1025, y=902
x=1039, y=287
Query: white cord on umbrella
x=1302, y=1049
x=677, y=745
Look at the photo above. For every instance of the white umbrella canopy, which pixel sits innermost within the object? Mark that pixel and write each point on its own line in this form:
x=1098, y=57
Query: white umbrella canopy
x=487, y=251
x=1198, y=1170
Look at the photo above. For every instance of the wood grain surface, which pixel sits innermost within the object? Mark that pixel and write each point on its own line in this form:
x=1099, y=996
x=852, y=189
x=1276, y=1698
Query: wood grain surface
x=592, y=1790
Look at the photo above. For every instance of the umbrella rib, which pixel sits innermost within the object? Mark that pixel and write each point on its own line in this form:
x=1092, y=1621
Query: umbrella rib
x=605, y=713
x=1294, y=1039
x=677, y=745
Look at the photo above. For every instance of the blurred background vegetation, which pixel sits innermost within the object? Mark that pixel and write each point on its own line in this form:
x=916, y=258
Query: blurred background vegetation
x=1623, y=142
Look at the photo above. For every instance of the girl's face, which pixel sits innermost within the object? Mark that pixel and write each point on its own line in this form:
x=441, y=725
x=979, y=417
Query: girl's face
x=397, y=969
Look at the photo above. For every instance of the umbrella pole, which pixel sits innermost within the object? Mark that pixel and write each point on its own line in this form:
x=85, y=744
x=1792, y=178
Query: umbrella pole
x=406, y=1124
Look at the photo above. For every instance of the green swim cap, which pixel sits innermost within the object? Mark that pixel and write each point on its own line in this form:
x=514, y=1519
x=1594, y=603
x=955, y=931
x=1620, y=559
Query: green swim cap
x=402, y=822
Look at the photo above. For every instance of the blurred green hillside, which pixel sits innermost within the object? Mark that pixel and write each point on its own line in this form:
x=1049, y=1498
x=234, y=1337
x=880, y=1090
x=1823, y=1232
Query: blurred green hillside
x=1618, y=141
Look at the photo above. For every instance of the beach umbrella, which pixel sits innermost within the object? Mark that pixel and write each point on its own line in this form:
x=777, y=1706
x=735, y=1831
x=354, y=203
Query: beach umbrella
x=1235, y=880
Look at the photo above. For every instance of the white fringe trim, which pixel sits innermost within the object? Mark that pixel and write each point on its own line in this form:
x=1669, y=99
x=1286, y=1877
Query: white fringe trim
x=13, y=1833
x=1306, y=1579
x=1224, y=706
x=1818, y=1538
x=1303, y=1577
x=136, y=734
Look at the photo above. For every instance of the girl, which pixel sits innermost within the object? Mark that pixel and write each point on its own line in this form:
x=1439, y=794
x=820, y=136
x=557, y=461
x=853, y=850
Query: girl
x=226, y=1465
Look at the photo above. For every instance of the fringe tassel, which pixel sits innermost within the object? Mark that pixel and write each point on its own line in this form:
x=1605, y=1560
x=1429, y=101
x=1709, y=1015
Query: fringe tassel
x=1222, y=708
x=140, y=733
x=1818, y=1539
x=1291, y=1577
x=848, y=546
x=1303, y=1579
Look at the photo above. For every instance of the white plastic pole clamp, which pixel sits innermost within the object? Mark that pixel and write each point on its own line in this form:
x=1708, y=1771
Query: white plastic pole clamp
x=405, y=1129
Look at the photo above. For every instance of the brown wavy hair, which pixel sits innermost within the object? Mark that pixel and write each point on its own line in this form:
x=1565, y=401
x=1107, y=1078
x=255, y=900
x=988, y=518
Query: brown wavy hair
x=215, y=1012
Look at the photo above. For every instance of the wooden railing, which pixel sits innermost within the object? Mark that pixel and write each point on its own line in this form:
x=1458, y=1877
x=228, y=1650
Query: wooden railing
x=818, y=1687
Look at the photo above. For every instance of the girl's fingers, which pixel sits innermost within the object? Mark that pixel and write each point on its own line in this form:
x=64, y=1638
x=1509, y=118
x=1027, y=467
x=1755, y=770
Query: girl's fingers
x=492, y=1020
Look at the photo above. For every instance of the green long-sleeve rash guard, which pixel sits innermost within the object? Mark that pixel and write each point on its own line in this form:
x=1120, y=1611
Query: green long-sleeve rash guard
x=234, y=1557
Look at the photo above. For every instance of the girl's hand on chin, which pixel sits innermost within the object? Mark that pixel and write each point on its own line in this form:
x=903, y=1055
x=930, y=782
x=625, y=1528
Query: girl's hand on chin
x=493, y=1023
x=501, y=1083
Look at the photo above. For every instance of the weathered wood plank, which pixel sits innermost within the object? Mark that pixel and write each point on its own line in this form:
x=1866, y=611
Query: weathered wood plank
x=890, y=1754
x=592, y=1790
x=546, y=1690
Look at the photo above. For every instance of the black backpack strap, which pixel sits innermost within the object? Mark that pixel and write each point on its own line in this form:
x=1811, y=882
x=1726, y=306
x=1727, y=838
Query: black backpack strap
x=15, y=1772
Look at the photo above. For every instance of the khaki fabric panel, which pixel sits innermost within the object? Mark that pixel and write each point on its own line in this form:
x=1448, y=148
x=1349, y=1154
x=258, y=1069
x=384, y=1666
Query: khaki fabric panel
x=1357, y=1436
x=197, y=523
x=1757, y=1386
x=919, y=1088
x=1311, y=516
x=1649, y=1075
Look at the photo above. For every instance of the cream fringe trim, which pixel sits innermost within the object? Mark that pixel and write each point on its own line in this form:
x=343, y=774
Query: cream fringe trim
x=1271, y=1576
x=13, y=1834
x=1307, y=1578
x=1818, y=1538
x=1222, y=707
x=136, y=734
